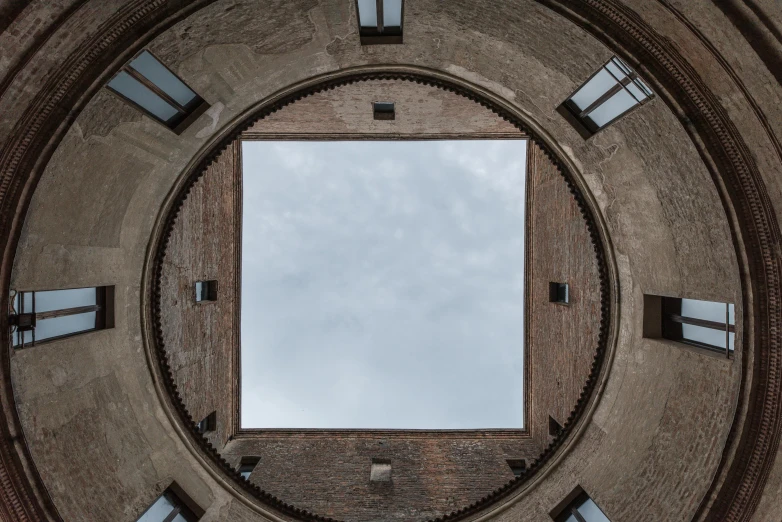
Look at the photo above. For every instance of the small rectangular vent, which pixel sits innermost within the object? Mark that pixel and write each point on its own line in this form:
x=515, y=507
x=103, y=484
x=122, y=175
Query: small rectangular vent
x=205, y=291
x=208, y=423
x=247, y=466
x=380, y=470
x=554, y=428
x=517, y=466
x=559, y=293
x=384, y=110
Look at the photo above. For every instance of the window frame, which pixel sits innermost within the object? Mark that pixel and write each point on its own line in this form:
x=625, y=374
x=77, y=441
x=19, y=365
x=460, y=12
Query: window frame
x=212, y=288
x=183, y=505
x=580, y=120
x=672, y=321
x=568, y=507
x=103, y=308
x=380, y=34
x=208, y=424
x=384, y=115
x=248, y=465
x=517, y=466
x=553, y=293
x=187, y=114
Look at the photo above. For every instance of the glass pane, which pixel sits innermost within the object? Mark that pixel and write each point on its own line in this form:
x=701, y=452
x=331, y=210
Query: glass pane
x=199, y=287
x=642, y=85
x=180, y=518
x=709, y=336
x=392, y=13
x=158, y=511
x=68, y=324
x=615, y=106
x=707, y=310
x=367, y=13
x=246, y=474
x=133, y=90
x=591, y=512
x=619, y=72
x=600, y=84
x=571, y=518
x=61, y=299
x=637, y=93
x=155, y=72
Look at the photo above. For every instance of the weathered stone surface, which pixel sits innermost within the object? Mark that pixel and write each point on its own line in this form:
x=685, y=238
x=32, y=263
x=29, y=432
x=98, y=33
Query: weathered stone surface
x=654, y=443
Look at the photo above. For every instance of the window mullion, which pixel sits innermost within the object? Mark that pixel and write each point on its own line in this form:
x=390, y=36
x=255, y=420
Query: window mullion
x=51, y=314
x=171, y=516
x=380, y=19
x=578, y=515
x=601, y=100
x=714, y=325
x=154, y=88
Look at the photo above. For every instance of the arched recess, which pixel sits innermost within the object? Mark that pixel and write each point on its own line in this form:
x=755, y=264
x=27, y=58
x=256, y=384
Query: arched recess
x=609, y=279
x=756, y=430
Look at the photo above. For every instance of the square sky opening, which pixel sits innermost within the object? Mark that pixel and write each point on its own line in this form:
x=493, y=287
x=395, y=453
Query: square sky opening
x=382, y=284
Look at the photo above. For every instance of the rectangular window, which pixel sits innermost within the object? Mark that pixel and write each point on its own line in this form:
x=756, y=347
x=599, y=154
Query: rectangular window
x=172, y=506
x=151, y=87
x=55, y=314
x=517, y=466
x=384, y=110
x=205, y=291
x=559, y=293
x=578, y=507
x=380, y=21
x=705, y=324
x=247, y=466
x=609, y=94
x=207, y=424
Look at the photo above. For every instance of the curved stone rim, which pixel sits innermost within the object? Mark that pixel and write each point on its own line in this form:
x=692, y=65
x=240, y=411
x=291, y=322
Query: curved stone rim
x=196, y=171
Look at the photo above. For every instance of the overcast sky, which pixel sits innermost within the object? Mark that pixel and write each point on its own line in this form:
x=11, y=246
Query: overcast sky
x=382, y=284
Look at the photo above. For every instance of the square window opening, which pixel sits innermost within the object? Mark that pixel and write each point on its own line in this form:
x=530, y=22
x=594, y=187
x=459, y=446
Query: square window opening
x=384, y=110
x=578, y=507
x=610, y=93
x=380, y=21
x=247, y=465
x=205, y=291
x=559, y=293
x=207, y=424
x=148, y=85
x=517, y=466
x=380, y=470
x=173, y=505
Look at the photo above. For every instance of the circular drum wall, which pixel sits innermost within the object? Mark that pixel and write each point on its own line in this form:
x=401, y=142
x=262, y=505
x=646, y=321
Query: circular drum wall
x=661, y=178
